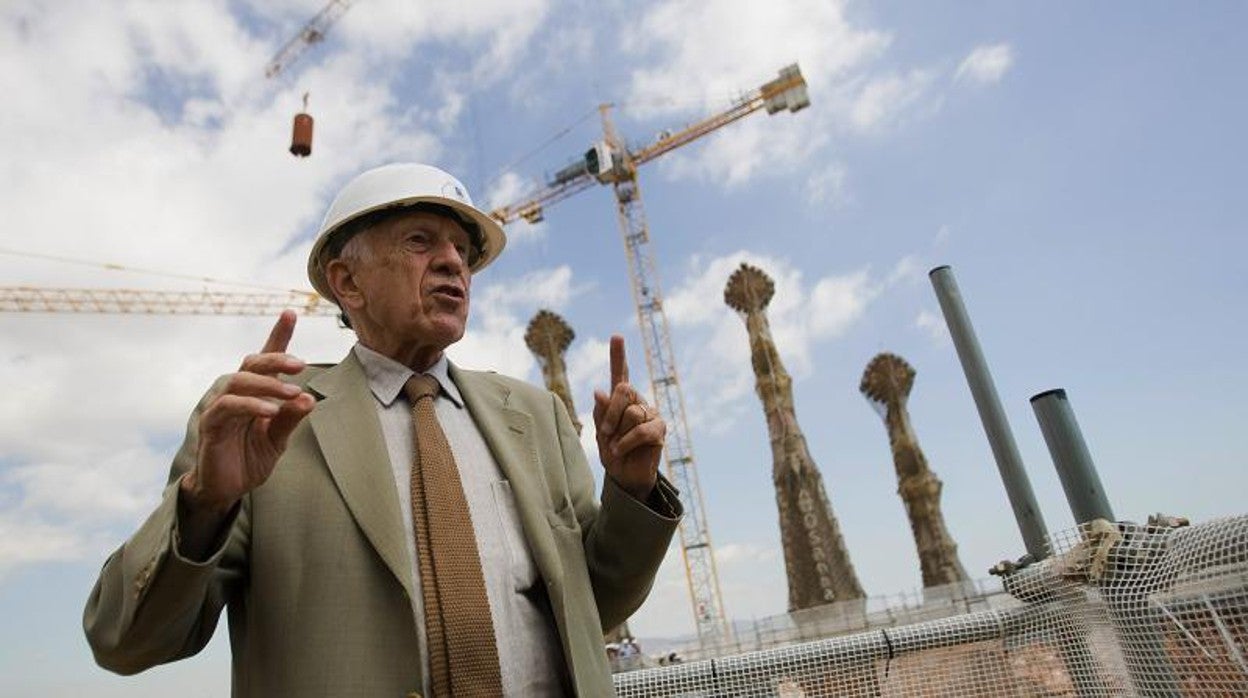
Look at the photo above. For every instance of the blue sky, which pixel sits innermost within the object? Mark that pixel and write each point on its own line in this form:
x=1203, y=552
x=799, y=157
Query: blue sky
x=1080, y=166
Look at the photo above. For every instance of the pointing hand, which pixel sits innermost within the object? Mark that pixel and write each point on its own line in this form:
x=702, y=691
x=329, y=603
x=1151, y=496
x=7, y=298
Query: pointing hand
x=630, y=433
x=245, y=428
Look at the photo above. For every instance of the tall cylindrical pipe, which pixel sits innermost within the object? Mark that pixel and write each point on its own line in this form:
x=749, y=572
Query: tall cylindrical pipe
x=1070, y=455
x=1000, y=438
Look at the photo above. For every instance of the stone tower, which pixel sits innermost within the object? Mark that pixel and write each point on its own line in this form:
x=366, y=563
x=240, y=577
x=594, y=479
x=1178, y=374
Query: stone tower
x=815, y=558
x=886, y=383
x=548, y=336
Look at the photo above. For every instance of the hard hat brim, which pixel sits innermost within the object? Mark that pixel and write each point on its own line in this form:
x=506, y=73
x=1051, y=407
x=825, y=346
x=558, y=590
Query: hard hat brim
x=493, y=239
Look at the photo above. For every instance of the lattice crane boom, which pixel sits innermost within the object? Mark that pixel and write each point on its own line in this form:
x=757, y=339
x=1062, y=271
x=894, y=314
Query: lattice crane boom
x=31, y=299
x=312, y=33
x=610, y=162
x=531, y=208
x=788, y=91
x=605, y=161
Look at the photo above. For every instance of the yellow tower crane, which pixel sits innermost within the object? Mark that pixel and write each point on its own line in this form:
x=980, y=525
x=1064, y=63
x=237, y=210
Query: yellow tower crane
x=610, y=162
x=256, y=300
x=35, y=299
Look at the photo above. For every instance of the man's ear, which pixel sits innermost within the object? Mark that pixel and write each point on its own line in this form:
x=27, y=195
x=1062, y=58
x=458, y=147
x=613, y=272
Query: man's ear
x=342, y=282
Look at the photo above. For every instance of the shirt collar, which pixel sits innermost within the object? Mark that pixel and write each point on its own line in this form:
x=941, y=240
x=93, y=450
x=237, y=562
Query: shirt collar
x=386, y=376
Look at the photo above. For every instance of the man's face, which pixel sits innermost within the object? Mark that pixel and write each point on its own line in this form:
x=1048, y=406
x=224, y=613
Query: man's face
x=415, y=280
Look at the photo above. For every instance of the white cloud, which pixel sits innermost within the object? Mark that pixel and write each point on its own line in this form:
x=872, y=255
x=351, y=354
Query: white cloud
x=117, y=486
x=934, y=326
x=24, y=542
x=734, y=158
x=746, y=554
x=752, y=585
x=985, y=64
x=687, y=39
x=884, y=101
x=687, y=73
x=501, y=312
x=588, y=362
x=390, y=30
x=827, y=186
x=96, y=403
x=908, y=269
x=667, y=611
x=836, y=302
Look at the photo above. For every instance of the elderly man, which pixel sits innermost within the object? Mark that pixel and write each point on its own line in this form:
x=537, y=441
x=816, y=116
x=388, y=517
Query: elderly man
x=394, y=525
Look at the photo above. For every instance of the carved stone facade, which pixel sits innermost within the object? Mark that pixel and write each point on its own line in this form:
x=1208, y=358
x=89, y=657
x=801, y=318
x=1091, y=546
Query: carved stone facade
x=886, y=383
x=815, y=558
x=548, y=337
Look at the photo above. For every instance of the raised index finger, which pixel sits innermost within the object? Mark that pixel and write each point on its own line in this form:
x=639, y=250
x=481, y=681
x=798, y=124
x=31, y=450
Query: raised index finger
x=619, y=365
x=279, y=336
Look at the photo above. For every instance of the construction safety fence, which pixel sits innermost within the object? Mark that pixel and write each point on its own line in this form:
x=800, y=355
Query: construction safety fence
x=1117, y=610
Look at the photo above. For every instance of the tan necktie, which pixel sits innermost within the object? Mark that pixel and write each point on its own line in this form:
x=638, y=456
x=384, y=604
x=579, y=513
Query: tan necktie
x=463, y=653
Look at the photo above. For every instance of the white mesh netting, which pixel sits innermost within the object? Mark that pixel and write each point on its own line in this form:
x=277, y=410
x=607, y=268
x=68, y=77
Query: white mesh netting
x=1117, y=610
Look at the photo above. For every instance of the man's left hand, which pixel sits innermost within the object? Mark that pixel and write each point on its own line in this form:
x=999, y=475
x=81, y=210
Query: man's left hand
x=630, y=433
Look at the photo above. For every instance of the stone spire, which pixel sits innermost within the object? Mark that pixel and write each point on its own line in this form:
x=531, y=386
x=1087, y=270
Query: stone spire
x=886, y=383
x=548, y=336
x=815, y=558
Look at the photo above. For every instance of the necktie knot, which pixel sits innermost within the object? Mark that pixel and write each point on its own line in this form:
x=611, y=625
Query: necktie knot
x=420, y=386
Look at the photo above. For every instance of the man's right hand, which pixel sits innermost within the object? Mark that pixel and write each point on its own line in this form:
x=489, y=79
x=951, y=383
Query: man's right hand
x=243, y=432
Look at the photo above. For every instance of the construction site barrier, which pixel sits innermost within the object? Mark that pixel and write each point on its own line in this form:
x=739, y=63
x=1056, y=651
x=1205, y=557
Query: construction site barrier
x=1118, y=609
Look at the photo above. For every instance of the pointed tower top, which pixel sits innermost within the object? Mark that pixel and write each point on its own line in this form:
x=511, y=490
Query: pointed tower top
x=887, y=380
x=749, y=289
x=548, y=331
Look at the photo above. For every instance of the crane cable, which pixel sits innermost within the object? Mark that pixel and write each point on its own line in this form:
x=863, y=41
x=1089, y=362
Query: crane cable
x=151, y=272
x=545, y=144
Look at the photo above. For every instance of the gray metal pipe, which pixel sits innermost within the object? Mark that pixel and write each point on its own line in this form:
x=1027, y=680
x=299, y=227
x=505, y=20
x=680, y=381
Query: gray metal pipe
x=1000, y=438
x=1071, y=458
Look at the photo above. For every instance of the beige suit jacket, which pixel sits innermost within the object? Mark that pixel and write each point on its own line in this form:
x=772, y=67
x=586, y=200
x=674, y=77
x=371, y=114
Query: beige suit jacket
x=315, y=570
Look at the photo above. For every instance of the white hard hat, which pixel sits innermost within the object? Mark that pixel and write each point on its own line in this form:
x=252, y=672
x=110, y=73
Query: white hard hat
x=396, y=186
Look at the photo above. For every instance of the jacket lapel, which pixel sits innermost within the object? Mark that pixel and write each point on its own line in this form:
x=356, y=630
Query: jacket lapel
x=346, y=427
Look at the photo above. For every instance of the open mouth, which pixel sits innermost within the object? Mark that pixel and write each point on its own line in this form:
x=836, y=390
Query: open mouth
x=449, y=290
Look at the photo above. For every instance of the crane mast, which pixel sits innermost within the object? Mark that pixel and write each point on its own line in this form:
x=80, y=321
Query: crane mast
x=610, y=162
x=695, y=536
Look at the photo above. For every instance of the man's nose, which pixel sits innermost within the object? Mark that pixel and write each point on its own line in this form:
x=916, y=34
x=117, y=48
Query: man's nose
x=447, y=257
